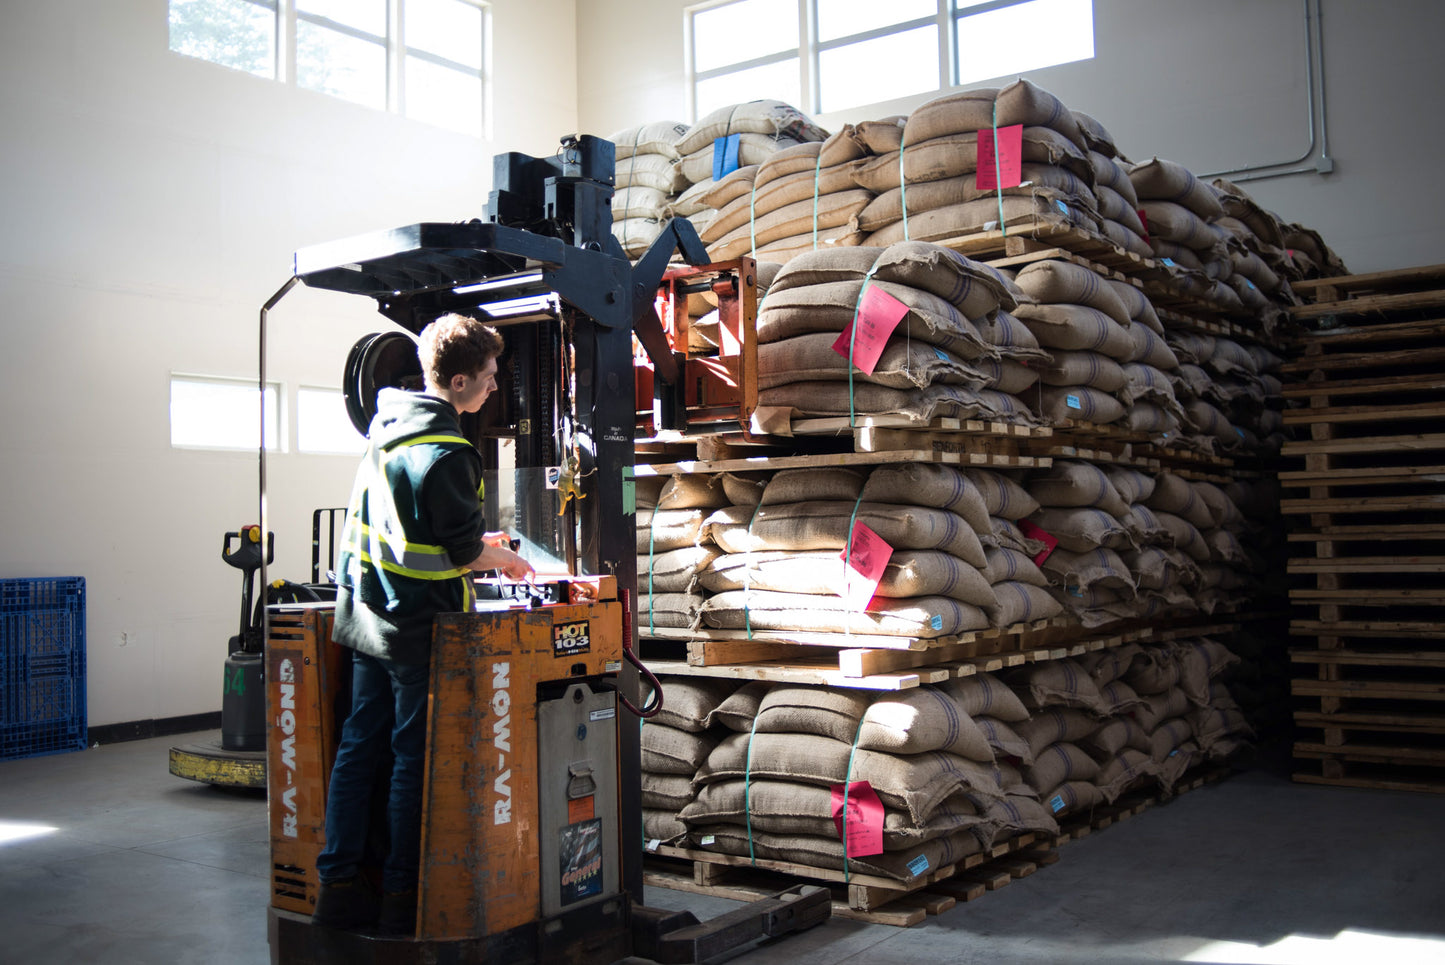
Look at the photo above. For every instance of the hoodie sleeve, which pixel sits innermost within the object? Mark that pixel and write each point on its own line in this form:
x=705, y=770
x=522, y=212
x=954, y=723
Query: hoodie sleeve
x=450, y=498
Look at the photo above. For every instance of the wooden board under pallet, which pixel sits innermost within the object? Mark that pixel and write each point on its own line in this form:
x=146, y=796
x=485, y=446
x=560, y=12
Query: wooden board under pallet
x=1331, y=289
x=824, y=460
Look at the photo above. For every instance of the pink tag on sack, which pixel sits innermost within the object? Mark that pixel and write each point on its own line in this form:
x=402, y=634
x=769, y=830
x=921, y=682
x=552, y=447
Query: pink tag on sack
x=878, y=315
x=865, y=559
x=1005, y=171
x=1144, y=220
x=862, y=835
x=1032, y=531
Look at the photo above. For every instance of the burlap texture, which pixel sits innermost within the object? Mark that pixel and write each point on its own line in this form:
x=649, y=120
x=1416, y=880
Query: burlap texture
x=910, y=573
x=668, y=750
x=1081, y=367
x=1020, y=603
x=1071, y=482
x=1006, y=564
x=825, y=525
x=1079, y=530
x=925, y=617
x=955, y=155
x=1021, y=102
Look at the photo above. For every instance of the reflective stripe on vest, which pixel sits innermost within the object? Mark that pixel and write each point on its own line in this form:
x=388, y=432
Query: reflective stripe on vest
x=383, y=544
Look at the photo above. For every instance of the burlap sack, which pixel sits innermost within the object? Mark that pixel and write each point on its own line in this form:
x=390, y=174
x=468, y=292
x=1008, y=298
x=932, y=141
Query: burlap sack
x=1018, y=103
x=1058, y=763
x=825, y=525
x=1019, y=814
x=1076, y=327
x=1007, y=376
x=907, y=865
x=983, y=695
x=1020, y=603
x=1082, y=529
x=1154, y=709
x=1003, y=497
x=639, y=201
x=910, y=573
x=827, y=399
x=1070, y=482
x=813, y=484
x=753, y=149
x=1113, y=736
x=1006, y=564
x=1053, y=724
x=1158, y=567
x=1176, y=762
x=882, y=135
x=636, y=235
x=1007, y=535
x=1096, y=135
x=1054, y=281
x=921, y=720
x=1012, y=339
x=771, y=117
x=1216, y=725
x=1109, y=664
x=1010, y=779
x=1111, y=173
x=1173, y=494
x=1150, y=349
x=784, y=250
x=925, y=617
x=1149, y=418
x=668, y=529
x=916, y=784
x=1056, y=683
x=763, y=199
x=1157, y=179
x=688, y=490
x=1173, y=222
x=1167, y=738
x=674, y=610
x=1125, y=238
x=668, y=750
x=789, y=808
x=735, y=185
x=657, y=137
x=975, y=289
x=1043, y=205
x=1080, y=403
x=662, y=826
x=832, y=307
x=690, y=202
x=904, y=364
x=1004, y=740
x=1123, y=770
x=1070, y=367
x=954, y=155
x=826, y=711
x=829, y=211
x=650, y=171
x=1137, y=304
x=928, y=484
x=687, y=701
x=666, y=791
x=1072, y=797
x=1132, y=485
x=1154, y=671
x=674, y=571
x=1096, y=569
x=1147, y=383
x=915, y=198
x=1115, y=207
x=736, y=713
x=1119, y=697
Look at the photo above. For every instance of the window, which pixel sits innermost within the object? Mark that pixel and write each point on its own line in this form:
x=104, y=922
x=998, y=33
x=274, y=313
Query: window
x=829, y=55
x=422, y=58
x=322, y=425
x=218, y=413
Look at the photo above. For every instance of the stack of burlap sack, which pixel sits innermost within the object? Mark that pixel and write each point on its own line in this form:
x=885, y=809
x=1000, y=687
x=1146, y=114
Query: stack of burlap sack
x=1133, y=546
x=756, y=769
x=1180, y=213
x=1231, y=400
x=956, y=351
x=783, y=565
x=647, y=180
x=1118, y=205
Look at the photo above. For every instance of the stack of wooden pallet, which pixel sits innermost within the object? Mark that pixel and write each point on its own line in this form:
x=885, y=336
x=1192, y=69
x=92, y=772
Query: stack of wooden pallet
x=1369, y=550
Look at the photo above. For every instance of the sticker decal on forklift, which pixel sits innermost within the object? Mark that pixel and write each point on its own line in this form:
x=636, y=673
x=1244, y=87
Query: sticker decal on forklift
x=287, y=722
x=569, y=639
x=580, y=852
x=501, y=706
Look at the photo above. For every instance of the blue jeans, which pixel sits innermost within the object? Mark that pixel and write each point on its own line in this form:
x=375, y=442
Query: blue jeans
x=388, y=701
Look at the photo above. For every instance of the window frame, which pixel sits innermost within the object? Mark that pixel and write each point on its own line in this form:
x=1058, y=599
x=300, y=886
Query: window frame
x=280, y=416
x=946, y=19
x=397, y=51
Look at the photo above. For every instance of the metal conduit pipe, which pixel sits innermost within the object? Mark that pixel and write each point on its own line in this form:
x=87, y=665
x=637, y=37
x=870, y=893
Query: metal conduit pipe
x=1316, y=119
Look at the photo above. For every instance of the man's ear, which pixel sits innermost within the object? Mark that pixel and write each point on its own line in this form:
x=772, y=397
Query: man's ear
x=458, y=383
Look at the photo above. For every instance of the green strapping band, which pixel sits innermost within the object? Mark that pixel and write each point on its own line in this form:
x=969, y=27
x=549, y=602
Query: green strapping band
x=853, y=341
x=753, y=216
x=817, y=175
x=748, y=570
x=848, y=556
x=748, y=790
x=847, y=779
x=997, y=170
x=651, y=530
x=903, y=182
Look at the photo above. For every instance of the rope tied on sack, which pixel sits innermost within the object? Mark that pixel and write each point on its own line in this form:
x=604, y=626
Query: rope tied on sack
x=998, y=170
x=903, y=180
x=847, y=780
x=817, y=176
x=848, y=558
x=748, y=789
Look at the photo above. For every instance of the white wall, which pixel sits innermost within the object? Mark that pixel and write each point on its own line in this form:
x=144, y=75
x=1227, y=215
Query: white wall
x=151, y=205
x=1215, y=86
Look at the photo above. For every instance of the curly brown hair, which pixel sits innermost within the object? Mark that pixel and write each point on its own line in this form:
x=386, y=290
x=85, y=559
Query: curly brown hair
x=457, y=345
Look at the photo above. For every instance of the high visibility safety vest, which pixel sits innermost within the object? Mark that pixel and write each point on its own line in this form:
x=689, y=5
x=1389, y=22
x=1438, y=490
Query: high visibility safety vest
x=381, y=561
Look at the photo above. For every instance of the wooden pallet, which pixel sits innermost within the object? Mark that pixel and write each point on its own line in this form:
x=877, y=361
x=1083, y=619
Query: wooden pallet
x=1145, y=795
x=868, y=898
x=1347, y=288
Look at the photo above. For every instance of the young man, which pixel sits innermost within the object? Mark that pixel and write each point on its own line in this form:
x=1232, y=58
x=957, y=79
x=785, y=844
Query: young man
x=414, y=535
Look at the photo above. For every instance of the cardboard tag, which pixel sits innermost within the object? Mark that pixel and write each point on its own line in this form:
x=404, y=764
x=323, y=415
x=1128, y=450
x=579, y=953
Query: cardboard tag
x=1144, y=220
x=862, y=833
x=864, y=560
x=725, y=155
x=878, y=315
x=1032, y=531
x=1000, y=165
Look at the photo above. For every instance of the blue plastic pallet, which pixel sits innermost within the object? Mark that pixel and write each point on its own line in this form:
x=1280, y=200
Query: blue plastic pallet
x=42, y=666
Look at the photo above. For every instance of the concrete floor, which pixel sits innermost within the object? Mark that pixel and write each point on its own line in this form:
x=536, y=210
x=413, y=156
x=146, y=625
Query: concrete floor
x=140, y=867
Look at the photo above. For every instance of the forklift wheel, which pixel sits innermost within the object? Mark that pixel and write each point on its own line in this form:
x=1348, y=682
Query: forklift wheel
x=210, y=763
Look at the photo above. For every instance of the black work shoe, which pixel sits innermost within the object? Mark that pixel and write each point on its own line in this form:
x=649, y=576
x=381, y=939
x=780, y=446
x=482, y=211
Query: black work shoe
x=398, y=913
x=346, y=904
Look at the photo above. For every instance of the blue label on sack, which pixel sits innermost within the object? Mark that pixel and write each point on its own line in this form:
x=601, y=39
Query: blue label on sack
x=918, y=865
x=1169, y=262
x=1239, y=432
x=1072, y=401
x=1249, y=283
x=1172, y=753
x=725, y=155
x=941, y=354
x=1057, y=804
x=1061, y=206
x=1075, y=591
x=936, y=622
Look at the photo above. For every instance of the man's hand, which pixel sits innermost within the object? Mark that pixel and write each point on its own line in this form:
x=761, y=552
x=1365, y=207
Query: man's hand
x=494, y=557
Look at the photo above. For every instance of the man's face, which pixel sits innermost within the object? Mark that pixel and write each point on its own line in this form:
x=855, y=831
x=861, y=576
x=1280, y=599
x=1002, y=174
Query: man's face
x=471, y=391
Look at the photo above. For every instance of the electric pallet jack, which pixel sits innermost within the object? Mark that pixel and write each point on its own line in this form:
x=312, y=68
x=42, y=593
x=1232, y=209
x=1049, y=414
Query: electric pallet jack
x=532, y=840
x=238, y=758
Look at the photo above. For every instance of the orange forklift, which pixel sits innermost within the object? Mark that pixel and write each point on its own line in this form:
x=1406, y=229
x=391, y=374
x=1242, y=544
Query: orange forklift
x=532, y=841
